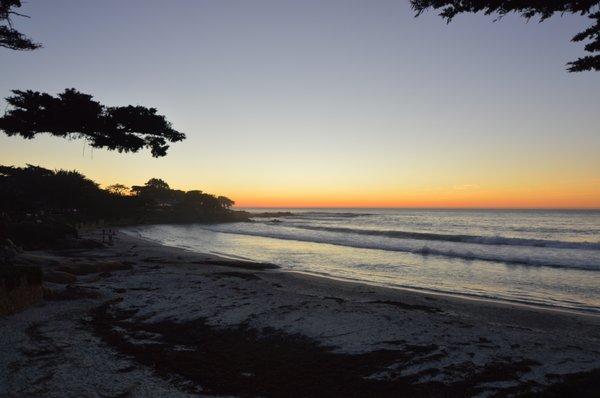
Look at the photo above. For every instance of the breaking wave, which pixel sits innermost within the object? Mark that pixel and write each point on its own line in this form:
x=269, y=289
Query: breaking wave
x=580, y=255
x=482, y=240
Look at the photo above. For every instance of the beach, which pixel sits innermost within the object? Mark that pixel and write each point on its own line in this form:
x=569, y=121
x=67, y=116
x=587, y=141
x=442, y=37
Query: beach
x=171, y=322
x=298, y=199
x=545, y=257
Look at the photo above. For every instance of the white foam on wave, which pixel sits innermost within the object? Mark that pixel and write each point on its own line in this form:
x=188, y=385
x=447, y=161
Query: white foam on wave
x=569, y=256
x=484, y=240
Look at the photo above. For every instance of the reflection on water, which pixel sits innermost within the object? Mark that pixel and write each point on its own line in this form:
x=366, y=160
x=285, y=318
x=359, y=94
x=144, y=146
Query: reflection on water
x=539, y=257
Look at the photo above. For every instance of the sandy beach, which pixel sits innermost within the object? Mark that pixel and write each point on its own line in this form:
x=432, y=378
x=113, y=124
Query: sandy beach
x=169, y=322
x=298, y=199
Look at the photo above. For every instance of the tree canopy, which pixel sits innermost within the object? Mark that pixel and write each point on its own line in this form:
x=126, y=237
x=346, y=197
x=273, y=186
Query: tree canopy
x=73, y=114
x=31, y=188
x=118, y=189
x=39, y=207
x=10, y=37
x=35, y=189
x=157, y=192
x=543, y=9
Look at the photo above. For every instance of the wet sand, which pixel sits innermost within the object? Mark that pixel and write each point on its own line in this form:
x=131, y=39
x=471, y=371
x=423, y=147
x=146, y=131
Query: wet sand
x=168, y=322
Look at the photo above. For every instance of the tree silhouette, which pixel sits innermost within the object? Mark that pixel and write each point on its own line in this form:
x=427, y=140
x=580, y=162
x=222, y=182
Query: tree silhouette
x=72, y=114
x=543, y=9
x=34, y=188
x=154, y=192
x=157, y=184
x=225, y=202
x=118, y=189
x=40, y=207
x=10, y=37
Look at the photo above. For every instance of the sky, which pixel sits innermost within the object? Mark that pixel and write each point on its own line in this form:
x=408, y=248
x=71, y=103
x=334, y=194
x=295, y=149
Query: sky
x=339, y=103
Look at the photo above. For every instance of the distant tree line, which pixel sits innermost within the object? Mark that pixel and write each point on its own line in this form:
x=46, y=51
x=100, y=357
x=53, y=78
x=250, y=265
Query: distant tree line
x=34, y=198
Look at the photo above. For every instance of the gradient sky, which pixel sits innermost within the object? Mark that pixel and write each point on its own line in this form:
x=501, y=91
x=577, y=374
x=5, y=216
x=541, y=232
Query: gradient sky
x=324, y=103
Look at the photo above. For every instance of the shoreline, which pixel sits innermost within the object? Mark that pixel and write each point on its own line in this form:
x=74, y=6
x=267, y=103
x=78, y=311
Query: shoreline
x=180, y=323
x=484, y=300
x=417, y=290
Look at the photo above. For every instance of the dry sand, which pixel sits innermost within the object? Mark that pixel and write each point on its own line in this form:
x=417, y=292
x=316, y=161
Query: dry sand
x=177, y=323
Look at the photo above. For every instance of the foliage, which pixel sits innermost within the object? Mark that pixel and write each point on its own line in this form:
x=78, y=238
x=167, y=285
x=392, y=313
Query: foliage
x=118, y=189
x=74, y=114
x=34, y=188
x=543, y=9
x=40, y=192
x=9, y=37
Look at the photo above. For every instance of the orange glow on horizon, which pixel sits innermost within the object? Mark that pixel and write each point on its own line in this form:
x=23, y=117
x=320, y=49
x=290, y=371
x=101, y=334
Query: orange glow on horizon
x=582, y=194
x=274, y=204
x=572, y=183
x=498, y=200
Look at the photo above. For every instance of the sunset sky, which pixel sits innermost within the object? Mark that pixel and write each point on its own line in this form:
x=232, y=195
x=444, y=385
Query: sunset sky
x=324, y=102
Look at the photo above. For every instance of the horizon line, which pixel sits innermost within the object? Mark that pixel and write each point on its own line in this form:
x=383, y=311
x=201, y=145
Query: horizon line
x=420, y=208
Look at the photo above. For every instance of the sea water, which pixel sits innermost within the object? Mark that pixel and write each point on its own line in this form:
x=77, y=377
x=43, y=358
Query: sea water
x=542, y=257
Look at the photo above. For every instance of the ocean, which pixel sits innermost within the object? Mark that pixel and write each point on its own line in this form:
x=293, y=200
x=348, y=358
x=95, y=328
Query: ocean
x=539, y=257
